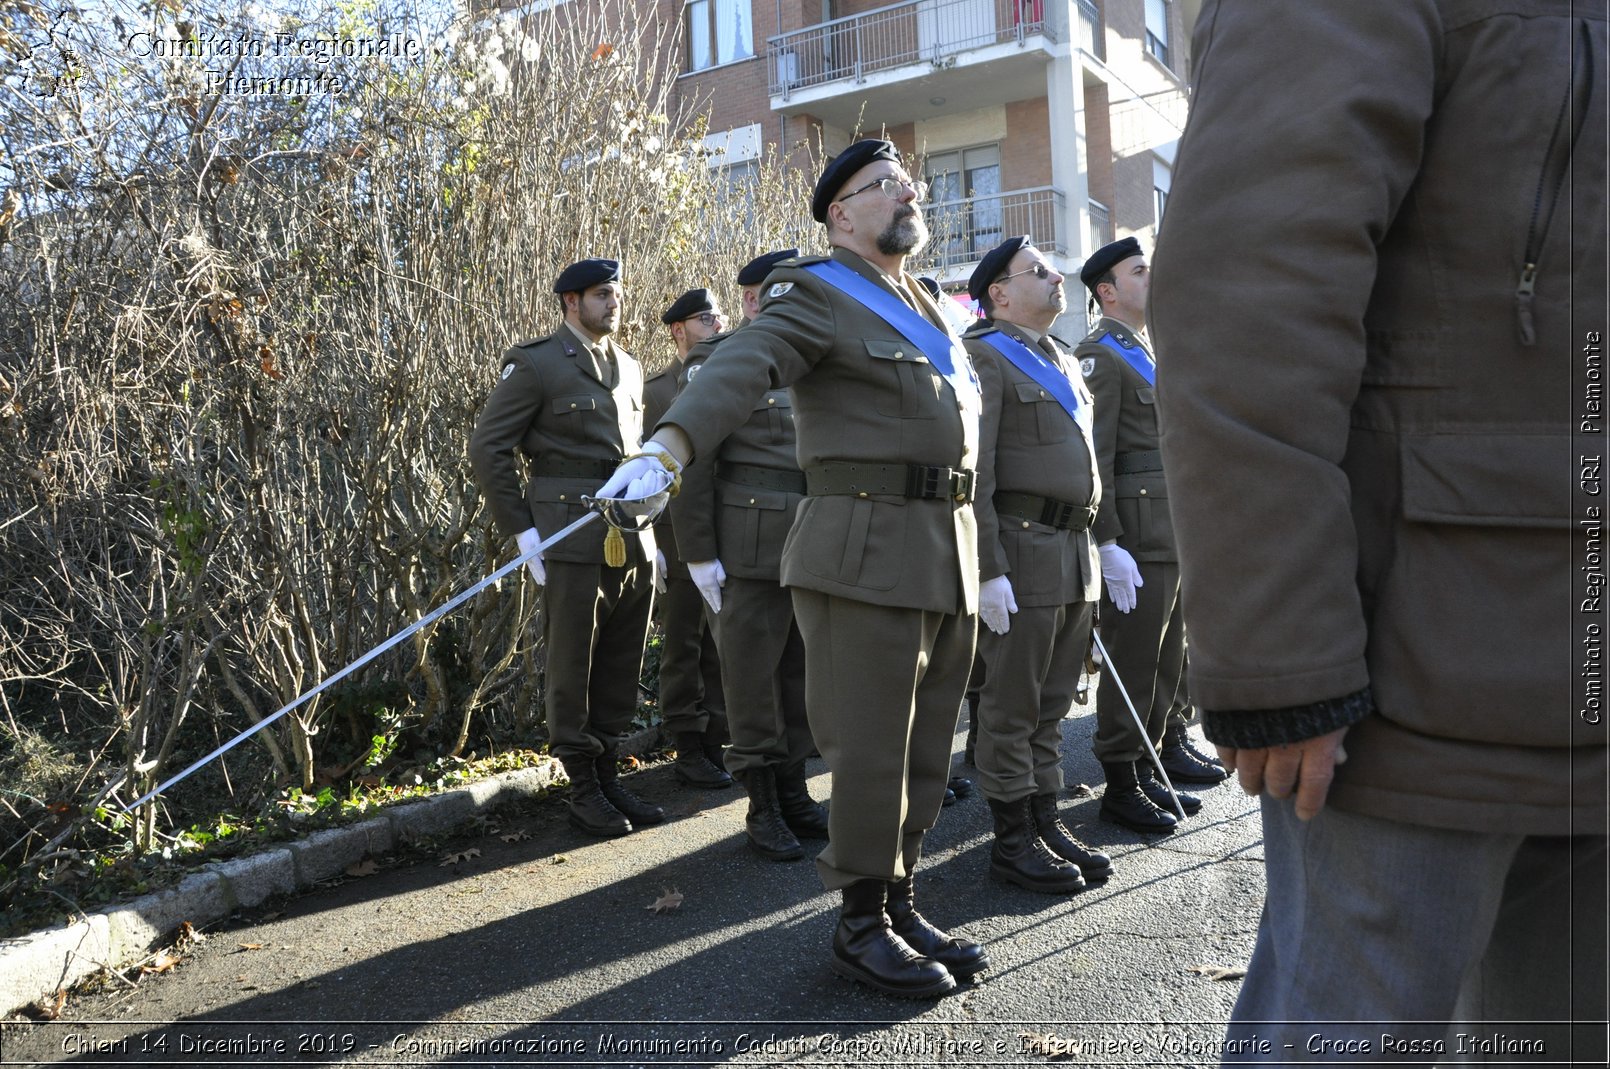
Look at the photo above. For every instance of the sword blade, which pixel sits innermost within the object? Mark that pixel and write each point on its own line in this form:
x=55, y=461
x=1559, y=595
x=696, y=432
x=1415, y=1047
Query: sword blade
x=1157, y=762
x=424, y=621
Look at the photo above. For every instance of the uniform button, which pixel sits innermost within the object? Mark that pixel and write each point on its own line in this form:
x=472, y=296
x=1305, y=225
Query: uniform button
x=572, y=404
x=751, y=501
x=1025, y=523
x=861, y=494
x=771, y=400
x=962, y=498
x=899, y=354
x=561, y=497
x=1143, y=491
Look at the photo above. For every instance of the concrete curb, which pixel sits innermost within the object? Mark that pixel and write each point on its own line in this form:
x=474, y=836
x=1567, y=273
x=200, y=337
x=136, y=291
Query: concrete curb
x=35, y=966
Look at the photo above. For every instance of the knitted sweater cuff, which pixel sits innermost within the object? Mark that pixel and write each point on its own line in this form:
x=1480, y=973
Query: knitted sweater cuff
x=1257, y=729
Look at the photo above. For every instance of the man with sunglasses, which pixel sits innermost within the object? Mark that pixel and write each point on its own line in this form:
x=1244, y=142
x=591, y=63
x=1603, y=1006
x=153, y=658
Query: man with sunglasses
x=692, y=704
x=571, y=404
x=1038, y=573
x=882, y=558
x=1144, y=635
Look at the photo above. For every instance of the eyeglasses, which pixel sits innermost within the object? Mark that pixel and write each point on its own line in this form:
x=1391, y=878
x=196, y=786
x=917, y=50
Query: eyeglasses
x=708, y=319
x=1039, y=270
x=892, y=188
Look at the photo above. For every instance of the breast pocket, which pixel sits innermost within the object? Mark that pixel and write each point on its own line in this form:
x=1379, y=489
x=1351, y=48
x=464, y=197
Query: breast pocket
x=576, y=405
x=775, y=417
x=1042, y=412
x=904, y=382
x=1146, y=400
x=752, y=520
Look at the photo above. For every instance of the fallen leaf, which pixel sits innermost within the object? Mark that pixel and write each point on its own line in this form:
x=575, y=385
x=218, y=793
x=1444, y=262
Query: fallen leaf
x=454, y=857
x=366, y=867
x=667, y=901
x=250, y=946
x=1218, y=972
x=516, y=837
x=1081, y=790
x=160, y=964
x=48, y=1009
x=266, y=356
x=188, y=933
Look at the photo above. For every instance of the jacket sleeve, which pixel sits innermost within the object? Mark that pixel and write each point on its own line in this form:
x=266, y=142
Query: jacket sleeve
x=1106, y=384
x=503, y=423
x=1305, y=135
x=693, y=510
x=991, y=555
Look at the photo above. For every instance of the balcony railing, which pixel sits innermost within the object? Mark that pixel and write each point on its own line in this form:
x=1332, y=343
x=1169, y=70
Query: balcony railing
x=964, y=230
x=1091, y=39
x=916, y=31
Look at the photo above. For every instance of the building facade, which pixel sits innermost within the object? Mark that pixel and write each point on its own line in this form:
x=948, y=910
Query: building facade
x=1053, y=118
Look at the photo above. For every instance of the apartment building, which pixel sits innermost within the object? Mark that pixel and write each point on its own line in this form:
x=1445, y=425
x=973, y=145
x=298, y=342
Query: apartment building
x=1054, y=118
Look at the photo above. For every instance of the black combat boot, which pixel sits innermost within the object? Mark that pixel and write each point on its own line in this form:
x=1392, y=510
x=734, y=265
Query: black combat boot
x=1048, y=825
x=694, y=766
x=590, y=811
x=767, y=831
x=962, y=957
x=1153, y=788
x=1184, y=763
x=865, y=948
x=639, y=812
x=1123, y=803
x=1019, y=856
x=806, y=817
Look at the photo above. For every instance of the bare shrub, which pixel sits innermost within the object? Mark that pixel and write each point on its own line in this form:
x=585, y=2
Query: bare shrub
x=245, y=337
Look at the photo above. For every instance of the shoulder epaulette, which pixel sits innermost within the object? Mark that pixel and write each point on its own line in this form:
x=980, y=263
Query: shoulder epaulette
x=529, y=342
x=800, y=261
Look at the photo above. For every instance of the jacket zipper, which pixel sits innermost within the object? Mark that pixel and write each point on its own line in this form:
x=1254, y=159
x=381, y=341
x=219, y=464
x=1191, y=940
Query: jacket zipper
x=1550, y=180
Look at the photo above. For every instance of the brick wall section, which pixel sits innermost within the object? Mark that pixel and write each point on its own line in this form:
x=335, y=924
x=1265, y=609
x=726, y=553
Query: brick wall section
x=1026, y=152
x=1098, y=144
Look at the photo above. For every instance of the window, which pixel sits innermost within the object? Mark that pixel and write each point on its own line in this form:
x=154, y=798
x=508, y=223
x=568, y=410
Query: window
x=1157, y=31
x=964, y=187
x=1162, y=179
x=718, y=31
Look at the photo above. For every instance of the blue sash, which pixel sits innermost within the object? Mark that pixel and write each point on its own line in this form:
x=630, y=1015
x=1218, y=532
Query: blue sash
x=1135, y=358
x=1035, y=365
x=935, y=344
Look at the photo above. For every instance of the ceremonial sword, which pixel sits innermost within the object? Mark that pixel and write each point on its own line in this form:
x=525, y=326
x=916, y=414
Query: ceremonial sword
x=1107, y=666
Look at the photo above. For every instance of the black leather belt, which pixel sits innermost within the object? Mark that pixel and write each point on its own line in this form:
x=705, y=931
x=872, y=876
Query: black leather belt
x=787, y=480
x=1046, y=510
x=919, y=481
x=1138, y=462
x=570, y=468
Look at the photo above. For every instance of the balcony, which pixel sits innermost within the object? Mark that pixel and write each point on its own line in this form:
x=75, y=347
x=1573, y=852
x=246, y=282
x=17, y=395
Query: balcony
x=902, y=58
x=964, y=230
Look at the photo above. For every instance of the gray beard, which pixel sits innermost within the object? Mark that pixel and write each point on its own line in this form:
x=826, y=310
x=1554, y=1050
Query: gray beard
x=903, y=236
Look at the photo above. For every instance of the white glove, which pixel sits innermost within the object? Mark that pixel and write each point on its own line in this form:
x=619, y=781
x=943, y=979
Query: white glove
x=709, y=576
x=1119, y=572
x=995, y=602
x=529, y=540
x=642, y=476
x=660, y=571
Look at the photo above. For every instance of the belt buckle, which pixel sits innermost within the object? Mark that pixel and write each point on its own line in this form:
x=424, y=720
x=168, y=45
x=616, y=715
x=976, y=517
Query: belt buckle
x=1058, y=514
x=924, y=482
x=962, y=484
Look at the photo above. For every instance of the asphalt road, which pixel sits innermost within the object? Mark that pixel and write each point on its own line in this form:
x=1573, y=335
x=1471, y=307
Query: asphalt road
x=540, y=946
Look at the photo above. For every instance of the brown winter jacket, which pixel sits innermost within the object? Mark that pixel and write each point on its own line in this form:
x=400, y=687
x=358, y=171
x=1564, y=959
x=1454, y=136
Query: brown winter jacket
x=1384, y=253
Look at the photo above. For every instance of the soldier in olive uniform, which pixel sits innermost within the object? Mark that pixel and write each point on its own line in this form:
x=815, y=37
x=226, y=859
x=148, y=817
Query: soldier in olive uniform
x=571, y=406
x=691, y=699
x=882, y=558
x=1038, y=574
x=1145, y=635
x=734, y=513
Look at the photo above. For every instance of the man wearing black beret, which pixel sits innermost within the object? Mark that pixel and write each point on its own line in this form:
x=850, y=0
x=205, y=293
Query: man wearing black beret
x=1039, y=578
x=571, y=404
x=882, y=557
x=1144, y=636
x=691, y=701
x=733, y=516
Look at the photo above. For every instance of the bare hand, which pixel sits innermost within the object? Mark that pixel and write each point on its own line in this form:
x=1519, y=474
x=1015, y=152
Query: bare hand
x=1305, y=768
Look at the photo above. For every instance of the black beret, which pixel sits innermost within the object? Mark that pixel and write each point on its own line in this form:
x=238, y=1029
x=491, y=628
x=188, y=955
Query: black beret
x=1106, y=258
x=756, y=270
x=584, y=273
x=993, y=265
x=931, y=285
x=841, y=167
x=689, y=305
